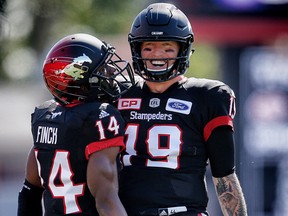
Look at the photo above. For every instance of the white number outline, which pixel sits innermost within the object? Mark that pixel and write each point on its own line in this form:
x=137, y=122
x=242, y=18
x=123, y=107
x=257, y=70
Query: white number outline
x=112, y=126
x=171, y=153
x=68, y=191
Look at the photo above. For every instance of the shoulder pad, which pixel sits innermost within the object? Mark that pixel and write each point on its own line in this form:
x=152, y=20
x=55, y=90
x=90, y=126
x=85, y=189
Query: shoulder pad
x=51, y=105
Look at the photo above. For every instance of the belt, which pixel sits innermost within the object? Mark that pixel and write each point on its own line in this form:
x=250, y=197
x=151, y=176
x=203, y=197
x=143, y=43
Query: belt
x=177, y=210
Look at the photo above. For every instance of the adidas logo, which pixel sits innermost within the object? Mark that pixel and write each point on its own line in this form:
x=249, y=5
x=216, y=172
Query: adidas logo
x=162, y=213
x=103, y=114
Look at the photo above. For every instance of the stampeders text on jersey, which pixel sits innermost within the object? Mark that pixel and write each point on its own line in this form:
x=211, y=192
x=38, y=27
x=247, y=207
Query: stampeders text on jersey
x=150, y=116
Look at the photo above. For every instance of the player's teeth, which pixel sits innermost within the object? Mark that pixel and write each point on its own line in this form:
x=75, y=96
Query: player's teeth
x=158, y=62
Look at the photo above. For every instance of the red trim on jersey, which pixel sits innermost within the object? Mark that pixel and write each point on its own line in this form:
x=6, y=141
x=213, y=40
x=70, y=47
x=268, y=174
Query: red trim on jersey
x=98, y=146
x=216, y=122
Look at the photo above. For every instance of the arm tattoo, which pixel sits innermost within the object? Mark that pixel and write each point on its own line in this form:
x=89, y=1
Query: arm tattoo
x=230, y=195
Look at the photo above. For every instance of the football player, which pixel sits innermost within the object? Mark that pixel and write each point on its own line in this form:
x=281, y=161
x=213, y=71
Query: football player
x=78, y=134
x=175, y=125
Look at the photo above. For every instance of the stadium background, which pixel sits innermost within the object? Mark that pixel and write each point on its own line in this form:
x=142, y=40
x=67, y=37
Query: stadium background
x=242, y=42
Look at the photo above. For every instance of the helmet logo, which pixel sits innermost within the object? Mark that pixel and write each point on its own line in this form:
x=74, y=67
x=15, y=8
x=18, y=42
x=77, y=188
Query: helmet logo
x=157, y=33
x=76, y=68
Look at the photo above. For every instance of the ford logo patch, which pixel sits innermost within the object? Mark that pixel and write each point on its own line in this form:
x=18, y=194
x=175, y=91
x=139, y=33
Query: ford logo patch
x=178, y=106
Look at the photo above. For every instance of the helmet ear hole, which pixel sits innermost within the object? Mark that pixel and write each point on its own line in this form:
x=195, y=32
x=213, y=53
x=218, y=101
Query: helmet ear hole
x=161, y=22
x=72, y=72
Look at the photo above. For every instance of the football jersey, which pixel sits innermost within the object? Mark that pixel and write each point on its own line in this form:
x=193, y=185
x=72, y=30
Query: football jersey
x=165, y=160
x=64, y=137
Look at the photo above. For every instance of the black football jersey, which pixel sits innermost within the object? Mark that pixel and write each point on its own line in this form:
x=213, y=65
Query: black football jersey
x=165, y=159
x=64, y=137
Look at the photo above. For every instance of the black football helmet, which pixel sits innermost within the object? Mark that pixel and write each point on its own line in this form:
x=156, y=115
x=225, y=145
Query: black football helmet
x=80, y=68
x=161, y=22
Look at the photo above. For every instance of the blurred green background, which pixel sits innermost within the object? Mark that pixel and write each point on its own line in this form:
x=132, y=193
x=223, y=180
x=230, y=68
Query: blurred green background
x=31, y=27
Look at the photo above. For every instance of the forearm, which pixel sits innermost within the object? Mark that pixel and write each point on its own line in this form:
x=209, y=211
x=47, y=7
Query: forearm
x=111, y=205
x=103, y=182
x=230, y=195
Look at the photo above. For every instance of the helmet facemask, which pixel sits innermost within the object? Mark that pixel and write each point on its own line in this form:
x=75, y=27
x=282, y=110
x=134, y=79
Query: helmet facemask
x=178, y=67
x=113, y=78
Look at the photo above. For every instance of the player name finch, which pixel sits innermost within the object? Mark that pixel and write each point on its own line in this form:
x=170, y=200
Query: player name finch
x=47, y=135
